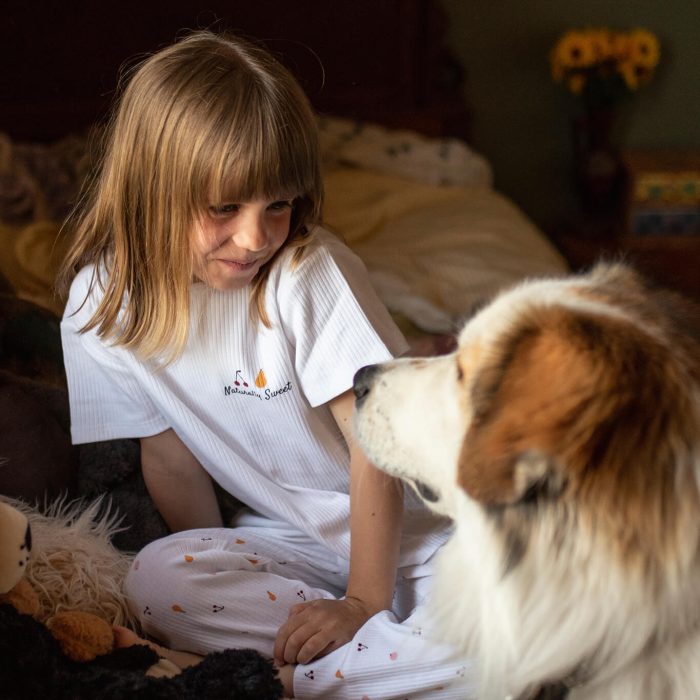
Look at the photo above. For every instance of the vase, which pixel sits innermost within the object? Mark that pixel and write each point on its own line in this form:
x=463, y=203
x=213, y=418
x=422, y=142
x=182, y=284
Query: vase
x=598, y=165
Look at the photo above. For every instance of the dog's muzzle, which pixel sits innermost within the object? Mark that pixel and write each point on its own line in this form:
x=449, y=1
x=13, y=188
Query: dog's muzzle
x=362, y=382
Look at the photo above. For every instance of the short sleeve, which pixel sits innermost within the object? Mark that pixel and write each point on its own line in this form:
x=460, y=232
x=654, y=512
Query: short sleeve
x=334, y=319
x=106, y=400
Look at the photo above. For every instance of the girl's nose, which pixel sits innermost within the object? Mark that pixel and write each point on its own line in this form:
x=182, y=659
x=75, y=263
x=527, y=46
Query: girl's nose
x=251, y=234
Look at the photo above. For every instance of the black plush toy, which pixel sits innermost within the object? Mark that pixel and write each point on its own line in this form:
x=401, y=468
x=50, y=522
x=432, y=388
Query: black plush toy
x=32, y=665
x=71, y=655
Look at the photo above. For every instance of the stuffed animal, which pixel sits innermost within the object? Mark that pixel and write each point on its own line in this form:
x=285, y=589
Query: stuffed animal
x=81, y=635
x=72, y=656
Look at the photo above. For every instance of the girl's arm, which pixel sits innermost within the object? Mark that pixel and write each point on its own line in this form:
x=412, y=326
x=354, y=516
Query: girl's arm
x=376, y=509
x=180, y=488
x=318, y=627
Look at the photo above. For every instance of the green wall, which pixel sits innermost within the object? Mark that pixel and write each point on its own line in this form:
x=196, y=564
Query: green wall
x=522, y=119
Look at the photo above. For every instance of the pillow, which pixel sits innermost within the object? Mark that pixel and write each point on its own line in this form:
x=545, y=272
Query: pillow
x=401, y=152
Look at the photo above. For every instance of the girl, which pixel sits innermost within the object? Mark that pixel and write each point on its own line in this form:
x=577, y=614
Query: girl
x=212, y=318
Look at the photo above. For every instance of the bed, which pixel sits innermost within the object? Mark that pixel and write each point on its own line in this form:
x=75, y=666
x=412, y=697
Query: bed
x=403, y=185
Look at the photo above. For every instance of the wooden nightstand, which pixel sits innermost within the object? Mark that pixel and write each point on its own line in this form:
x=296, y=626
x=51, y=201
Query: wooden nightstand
x=656, y=226
x=672, y=261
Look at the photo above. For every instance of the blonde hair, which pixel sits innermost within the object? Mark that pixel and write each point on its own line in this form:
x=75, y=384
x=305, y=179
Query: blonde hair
x=194, y=118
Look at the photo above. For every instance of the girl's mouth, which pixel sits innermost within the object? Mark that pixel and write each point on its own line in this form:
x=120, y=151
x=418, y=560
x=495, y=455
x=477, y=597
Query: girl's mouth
x=238, y=266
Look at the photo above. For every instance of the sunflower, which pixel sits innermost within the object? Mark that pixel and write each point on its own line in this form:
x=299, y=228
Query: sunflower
x=628, y=71
x=634, y=74
x=644, y=48
x=574, y=50
x=590, y=62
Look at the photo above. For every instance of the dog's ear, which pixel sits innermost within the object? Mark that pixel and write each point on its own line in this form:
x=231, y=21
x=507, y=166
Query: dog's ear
x=536, y=475
x=510, y=453
x=568, y=400
x=494, y=474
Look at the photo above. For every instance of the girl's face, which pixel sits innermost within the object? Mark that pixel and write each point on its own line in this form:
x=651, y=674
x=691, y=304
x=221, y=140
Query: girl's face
x=233, y=240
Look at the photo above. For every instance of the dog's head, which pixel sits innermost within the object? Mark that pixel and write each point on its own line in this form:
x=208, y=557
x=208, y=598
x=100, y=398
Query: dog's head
x=566, y=426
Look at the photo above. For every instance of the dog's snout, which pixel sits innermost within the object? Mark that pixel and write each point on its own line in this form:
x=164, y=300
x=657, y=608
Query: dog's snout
x=362, y=382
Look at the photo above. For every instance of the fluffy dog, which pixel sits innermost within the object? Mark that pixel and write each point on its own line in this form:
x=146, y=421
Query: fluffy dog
x=562, y=438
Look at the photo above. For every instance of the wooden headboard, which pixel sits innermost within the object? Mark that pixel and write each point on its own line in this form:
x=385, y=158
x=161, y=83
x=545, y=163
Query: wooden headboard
x=376, y=60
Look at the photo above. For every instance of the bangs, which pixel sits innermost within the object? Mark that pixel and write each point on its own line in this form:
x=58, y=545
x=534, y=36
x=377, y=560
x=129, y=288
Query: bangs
x=266, y=150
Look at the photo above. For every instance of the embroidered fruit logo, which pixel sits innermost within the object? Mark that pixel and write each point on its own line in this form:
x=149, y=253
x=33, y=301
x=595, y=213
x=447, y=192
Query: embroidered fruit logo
x=239, y=379
x=260, y=380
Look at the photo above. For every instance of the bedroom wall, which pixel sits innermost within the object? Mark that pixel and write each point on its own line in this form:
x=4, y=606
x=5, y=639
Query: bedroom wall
x=521, y=117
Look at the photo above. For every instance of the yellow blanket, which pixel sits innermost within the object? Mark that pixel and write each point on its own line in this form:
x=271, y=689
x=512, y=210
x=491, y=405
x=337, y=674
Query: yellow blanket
x=29, y=258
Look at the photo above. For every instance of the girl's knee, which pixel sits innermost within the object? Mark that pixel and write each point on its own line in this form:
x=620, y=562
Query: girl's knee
x=153, y=566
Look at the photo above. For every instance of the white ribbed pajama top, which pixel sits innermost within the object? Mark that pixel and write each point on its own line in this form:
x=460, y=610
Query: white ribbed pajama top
x=251, y=402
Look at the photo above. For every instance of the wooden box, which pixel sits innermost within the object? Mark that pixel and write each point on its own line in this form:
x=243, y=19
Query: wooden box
x=662, y=193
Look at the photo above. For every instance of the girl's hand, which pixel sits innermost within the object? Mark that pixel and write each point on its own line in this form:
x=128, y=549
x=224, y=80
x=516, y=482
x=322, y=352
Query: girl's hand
x=318, y=627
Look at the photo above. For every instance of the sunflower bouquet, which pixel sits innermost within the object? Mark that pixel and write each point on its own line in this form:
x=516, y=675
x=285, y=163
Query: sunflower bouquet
x=600, y=65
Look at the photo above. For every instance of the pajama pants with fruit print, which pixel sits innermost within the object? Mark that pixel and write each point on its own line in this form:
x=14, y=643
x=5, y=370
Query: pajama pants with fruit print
x=207, y=590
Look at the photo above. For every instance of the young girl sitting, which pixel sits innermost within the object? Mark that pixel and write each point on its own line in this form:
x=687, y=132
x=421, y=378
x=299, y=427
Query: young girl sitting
x=210, y=316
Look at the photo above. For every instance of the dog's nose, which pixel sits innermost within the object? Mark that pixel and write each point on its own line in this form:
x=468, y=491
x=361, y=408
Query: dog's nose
x=362, y=382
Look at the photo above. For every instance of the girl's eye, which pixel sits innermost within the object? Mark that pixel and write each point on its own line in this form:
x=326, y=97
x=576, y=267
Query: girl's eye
x=223, y=209
x=281, y=205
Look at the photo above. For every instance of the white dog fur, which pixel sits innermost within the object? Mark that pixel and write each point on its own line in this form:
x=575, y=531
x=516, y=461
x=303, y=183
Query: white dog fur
x=562, y=439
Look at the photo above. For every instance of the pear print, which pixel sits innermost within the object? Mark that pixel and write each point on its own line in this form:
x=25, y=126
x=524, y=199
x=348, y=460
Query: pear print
x=260, y=380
